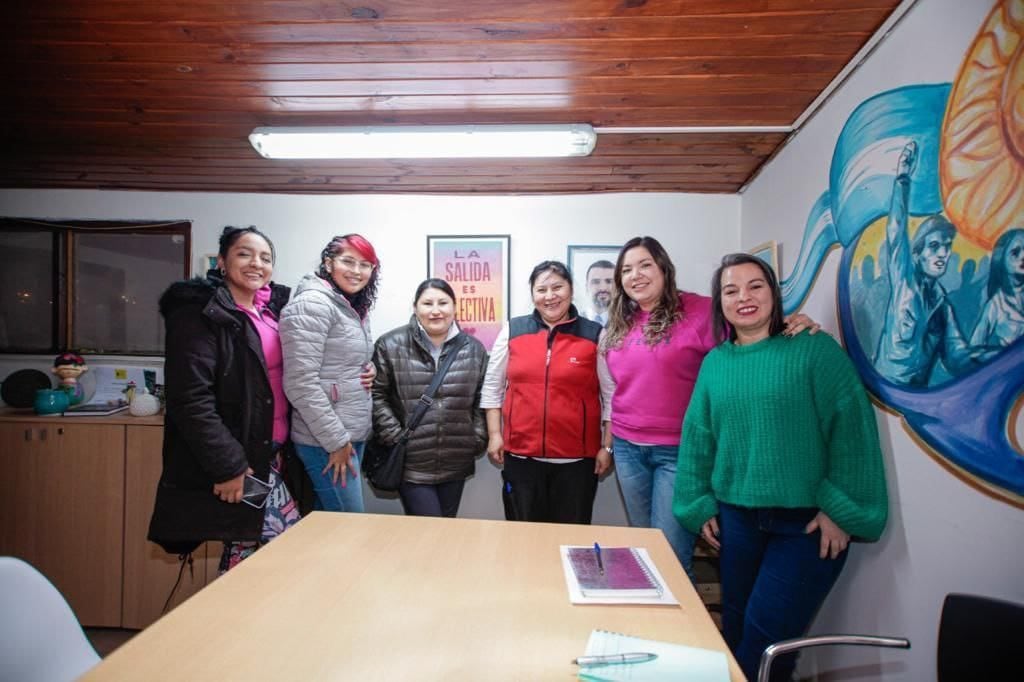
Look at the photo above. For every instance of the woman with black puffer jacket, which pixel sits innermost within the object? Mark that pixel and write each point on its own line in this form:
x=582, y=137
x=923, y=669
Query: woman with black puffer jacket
x=442, y=451
x=227, y=415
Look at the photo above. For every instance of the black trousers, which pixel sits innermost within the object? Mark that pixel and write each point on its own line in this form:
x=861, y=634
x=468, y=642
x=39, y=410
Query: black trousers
x=542, y=491
x=439, y=499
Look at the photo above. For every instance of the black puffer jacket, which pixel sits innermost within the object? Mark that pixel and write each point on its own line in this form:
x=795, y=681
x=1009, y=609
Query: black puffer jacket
x=453, y=432
x=220, y=413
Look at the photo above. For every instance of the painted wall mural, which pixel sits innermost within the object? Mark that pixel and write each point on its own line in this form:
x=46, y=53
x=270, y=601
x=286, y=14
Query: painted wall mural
x=926, y=201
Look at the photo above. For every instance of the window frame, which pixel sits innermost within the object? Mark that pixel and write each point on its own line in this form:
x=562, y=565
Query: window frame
x=62, y=276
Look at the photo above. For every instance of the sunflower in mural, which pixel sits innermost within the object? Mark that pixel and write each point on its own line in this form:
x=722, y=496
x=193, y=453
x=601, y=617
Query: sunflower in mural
x=981, y=167
x=981, y=164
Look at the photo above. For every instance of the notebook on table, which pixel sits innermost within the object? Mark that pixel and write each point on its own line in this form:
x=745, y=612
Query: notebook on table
x=620, y=572
x=673, y=662
x=629, y=576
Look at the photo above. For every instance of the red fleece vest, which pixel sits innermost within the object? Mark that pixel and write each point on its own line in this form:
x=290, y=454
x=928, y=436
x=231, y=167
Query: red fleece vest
x=552, y=404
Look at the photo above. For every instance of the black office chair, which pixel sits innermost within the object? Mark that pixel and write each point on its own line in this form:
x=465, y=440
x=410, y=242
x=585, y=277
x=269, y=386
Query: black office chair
x=788, y=646
x=979, y=639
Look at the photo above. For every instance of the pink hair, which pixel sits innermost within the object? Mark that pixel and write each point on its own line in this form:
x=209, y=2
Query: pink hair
x=357, y=243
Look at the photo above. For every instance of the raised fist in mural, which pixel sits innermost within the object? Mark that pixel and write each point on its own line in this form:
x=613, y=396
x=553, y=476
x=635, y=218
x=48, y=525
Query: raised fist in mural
x=908, y=159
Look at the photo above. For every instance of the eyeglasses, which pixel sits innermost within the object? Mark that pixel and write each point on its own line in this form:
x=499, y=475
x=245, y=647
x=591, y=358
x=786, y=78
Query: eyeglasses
x=350, y=263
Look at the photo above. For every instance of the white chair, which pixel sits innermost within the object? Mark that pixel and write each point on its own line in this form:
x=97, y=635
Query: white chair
x=40, y=638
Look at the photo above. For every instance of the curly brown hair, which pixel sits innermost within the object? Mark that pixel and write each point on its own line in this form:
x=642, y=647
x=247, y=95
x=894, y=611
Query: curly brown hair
x=622, y=311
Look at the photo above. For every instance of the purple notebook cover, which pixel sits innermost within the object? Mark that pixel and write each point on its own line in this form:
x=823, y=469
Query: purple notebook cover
x=623, y=570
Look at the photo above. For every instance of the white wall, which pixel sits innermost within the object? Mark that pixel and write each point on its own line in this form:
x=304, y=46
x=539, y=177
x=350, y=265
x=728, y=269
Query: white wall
x=696, y=230
x=943, y=535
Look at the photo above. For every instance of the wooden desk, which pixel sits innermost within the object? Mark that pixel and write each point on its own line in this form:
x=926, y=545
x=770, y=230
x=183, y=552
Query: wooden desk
x=379, y=597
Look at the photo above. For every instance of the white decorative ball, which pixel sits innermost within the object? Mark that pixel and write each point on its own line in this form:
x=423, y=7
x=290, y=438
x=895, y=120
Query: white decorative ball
x=143, y=404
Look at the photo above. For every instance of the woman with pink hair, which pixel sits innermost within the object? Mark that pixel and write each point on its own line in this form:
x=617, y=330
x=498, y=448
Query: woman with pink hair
x=325, y=337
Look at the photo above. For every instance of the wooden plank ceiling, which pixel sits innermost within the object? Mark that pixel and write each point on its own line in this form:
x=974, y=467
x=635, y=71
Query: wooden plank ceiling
x=140, y=94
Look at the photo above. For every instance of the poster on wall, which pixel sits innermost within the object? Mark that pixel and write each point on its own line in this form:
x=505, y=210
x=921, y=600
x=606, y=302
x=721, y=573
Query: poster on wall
x=476, y=266
x=593, y=278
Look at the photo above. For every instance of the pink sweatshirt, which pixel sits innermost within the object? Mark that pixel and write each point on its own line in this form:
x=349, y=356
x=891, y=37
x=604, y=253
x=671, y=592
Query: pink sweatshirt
x=266, y=326
x=653, y=385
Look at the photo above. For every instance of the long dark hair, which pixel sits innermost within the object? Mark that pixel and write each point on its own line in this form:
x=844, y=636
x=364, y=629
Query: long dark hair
x=999, y=278
x=363, y=301
x=231, y=234
x=722, y=328
x=667, y=311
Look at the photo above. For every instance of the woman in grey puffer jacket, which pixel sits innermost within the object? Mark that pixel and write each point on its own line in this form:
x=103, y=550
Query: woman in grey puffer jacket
x=441, y=452
x=325, y=339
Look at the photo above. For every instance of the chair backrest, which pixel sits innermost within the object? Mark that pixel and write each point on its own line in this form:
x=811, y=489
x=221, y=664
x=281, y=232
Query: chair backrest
x=40, y=638
x=979, y=639
x=773, y=651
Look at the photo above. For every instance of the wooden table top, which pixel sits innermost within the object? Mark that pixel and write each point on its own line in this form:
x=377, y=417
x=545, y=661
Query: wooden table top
x=383, y=597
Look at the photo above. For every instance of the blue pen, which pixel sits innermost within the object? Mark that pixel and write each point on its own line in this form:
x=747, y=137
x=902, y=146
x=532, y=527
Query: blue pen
x=597, y=553
x=511, y=507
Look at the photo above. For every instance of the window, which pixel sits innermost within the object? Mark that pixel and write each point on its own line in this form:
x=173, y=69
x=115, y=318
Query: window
x=91, y=287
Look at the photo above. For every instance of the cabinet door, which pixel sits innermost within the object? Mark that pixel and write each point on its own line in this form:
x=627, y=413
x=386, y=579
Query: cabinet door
x=62, y=505
x=149, y=571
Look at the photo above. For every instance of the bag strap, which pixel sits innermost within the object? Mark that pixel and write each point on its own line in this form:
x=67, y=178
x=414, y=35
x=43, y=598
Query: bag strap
x=427, y=399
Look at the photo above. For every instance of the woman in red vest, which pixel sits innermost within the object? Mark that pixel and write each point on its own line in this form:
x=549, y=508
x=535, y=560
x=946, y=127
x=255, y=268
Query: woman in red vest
x=545, y=406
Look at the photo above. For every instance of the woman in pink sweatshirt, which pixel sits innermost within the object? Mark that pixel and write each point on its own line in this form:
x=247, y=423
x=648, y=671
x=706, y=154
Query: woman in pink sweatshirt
x=652, y=348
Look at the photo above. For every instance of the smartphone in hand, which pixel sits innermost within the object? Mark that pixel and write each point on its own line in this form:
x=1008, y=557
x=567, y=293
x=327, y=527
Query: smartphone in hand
x=255, y=491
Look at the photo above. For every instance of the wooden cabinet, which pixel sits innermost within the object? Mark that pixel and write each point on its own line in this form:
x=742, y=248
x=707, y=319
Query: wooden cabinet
x=150, y=573
x=62, y=505
x=76, y=496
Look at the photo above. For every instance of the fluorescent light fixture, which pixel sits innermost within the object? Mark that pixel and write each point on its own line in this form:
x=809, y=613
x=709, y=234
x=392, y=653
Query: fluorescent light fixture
x=424, y=142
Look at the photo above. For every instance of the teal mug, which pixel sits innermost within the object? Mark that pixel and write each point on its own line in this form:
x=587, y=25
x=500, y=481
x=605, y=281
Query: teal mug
x=51, y=401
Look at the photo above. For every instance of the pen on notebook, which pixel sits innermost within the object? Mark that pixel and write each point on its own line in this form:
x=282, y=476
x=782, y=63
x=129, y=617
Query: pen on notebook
x=597, y=553
x=632, y=657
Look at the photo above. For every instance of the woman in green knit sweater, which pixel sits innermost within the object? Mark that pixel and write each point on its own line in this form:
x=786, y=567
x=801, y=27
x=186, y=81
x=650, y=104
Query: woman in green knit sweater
x=779, y=464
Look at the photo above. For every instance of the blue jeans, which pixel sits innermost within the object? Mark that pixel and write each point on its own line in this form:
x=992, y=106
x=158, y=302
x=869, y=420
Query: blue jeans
x=647, y=478
x=772, y=581
x=346, y=495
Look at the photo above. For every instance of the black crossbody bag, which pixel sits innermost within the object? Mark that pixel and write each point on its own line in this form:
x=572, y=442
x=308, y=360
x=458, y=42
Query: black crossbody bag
x=383, y=465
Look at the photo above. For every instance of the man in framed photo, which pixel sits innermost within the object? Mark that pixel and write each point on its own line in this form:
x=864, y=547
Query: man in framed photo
x=600, y=283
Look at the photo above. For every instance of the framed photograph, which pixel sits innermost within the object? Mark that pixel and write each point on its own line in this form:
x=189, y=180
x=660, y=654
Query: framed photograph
x=477, y=268
x=593, y=278
x=769, y=253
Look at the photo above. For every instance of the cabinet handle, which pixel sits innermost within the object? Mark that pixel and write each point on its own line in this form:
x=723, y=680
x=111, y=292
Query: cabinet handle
x=42, y=434
x=60, y=431
x=28, y=435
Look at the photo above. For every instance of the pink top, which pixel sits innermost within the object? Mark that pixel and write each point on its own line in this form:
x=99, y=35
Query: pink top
x=266, y=326
x=653, y=385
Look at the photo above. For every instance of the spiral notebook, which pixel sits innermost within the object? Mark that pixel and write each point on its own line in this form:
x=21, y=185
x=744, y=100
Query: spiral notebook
x=674, y=661
x=621, y=572
x=629, y=577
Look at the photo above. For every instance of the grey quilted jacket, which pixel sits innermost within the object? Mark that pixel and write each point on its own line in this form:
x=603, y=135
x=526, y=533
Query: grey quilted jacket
x=325, y=347
x=453, y=433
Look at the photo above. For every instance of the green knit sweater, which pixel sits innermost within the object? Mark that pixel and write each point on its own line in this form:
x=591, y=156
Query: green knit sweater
x=782, y=423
